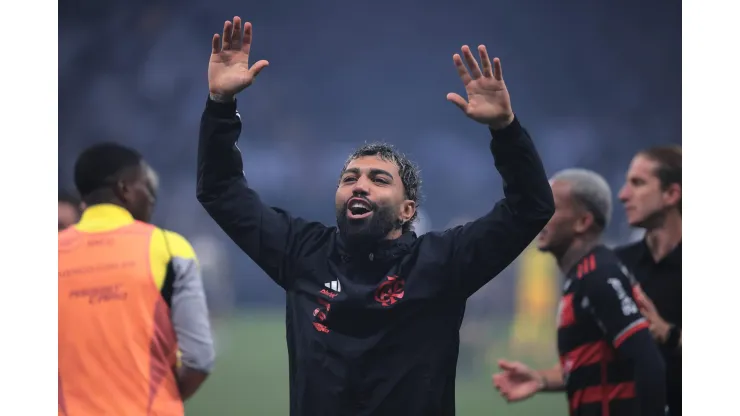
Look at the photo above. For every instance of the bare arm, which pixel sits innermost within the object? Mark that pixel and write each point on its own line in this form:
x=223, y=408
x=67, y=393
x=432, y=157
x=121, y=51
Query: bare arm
x=552, y=379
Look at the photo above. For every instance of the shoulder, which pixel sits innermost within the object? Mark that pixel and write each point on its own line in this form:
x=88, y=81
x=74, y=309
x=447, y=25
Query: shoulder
x=433, y=243
x=173, y=243
x=629, y=253
x=602, y=265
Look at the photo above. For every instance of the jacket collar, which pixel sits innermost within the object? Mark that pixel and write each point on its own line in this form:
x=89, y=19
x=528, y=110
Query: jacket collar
x=674, y=258
x=104, y=217
x=381, y=251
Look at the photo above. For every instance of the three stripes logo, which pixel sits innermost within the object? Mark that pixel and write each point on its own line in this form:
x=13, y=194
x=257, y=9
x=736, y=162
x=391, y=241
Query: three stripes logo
x=334, y=285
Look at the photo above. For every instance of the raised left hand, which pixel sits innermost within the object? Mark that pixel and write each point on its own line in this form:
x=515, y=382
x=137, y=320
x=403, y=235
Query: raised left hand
x=488, y=99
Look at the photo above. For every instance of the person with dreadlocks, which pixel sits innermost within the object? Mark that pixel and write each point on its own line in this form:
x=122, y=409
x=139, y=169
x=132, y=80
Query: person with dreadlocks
x=373, y=310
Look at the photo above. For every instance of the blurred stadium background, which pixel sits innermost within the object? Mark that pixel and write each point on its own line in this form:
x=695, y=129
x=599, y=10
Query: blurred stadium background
x=593, y=81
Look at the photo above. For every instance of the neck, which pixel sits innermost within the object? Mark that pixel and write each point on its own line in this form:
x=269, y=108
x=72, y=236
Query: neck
x=663, y=238
x=101, y=196
x=575, y=252
x=396, y=233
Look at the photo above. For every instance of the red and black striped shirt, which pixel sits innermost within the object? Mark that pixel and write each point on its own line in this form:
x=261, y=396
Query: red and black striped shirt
x=597, y=313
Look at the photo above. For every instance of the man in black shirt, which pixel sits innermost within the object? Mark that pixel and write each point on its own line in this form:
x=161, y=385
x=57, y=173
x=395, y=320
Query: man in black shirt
x=609, y=365
x=373, y=311
x=652, y=201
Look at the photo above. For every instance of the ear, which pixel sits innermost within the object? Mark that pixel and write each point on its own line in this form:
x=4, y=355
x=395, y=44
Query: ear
x=672, y=195
x=121, y=189
x=408, y=209
x=584, y=222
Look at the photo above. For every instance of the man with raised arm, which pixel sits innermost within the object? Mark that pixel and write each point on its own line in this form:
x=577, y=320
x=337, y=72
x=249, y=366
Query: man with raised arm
x=373, y=311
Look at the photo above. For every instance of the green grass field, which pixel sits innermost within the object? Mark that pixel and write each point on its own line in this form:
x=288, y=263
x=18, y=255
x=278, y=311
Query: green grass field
x=251, y=376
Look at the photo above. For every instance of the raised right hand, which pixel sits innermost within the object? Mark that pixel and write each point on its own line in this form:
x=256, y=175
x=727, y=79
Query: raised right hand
x=516, y=381
x=228, y=70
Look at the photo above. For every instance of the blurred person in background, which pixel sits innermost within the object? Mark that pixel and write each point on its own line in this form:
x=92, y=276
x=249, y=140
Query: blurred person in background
x=373, y=311
x=130, y=295
x=652, y=201
x=70, y=209
x=537, y=293
x=609, y=364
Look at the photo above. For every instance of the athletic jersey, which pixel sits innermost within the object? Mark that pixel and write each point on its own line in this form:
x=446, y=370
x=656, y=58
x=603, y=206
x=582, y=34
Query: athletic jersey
x=128, y=293
x=597, y=313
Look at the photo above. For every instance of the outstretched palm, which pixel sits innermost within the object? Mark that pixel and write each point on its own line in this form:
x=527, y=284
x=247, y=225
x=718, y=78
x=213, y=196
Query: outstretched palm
x=516, y=381
x=488, y=99
x=228, y=70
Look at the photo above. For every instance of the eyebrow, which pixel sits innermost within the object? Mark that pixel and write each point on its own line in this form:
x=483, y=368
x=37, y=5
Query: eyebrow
x=373, y=172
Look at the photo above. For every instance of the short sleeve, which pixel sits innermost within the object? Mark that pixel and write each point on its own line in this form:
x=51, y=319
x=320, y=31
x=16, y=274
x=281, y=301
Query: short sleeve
x=610, y=300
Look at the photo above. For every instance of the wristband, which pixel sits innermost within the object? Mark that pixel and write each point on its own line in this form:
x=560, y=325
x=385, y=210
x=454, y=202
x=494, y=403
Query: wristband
x=543, y=383
x=223, y=99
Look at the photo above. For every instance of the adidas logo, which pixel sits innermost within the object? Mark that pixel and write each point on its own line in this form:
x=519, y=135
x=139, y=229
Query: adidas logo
x=334, y=285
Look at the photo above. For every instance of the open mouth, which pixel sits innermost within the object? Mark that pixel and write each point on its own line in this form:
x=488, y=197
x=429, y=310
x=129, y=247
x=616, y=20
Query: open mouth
x=358, y=208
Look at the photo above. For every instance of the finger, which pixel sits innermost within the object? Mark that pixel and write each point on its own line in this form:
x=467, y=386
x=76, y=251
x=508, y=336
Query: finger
x=637, y=291
x=216, y=44
x=461, y=70
x=645, y=308
x=236, y=34
x=506, y=365
x=639, y=294
x=485, y=61
x=640, y=297
x=458, y=101
x=257, y=67
x=472, y=63
x=226, y=37
x=647, y=305
x=247, y=42
x=647, y=301
x=498, y=73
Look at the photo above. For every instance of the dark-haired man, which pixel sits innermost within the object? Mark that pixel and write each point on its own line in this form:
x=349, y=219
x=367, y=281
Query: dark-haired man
x=652, y=199
x=373, y=311
x=130, y=297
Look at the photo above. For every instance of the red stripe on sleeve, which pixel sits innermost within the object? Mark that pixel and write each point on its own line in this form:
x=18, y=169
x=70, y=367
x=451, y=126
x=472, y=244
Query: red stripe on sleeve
x=629, y=332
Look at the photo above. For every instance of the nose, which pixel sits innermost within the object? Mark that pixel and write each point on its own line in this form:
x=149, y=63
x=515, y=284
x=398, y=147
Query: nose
x=361, y=187
x=624, y=193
